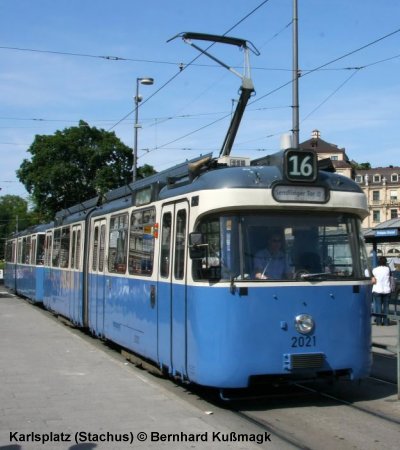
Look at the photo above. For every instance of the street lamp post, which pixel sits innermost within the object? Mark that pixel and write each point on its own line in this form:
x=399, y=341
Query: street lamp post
x=146, y=81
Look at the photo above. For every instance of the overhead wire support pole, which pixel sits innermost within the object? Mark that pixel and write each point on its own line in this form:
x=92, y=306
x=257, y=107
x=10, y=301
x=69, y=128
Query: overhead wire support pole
x=296, y=74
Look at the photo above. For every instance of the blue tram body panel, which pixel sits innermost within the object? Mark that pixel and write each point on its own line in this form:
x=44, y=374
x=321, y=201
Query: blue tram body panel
x=96, y=304
x=233, y=337
x=125, y=314
x=63, y=293
x=29, y=282
x=172, y=328
x=39, y=284
x=10, y=276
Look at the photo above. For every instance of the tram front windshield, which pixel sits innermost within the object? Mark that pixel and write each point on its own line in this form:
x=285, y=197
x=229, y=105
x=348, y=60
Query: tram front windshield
x=281, y=246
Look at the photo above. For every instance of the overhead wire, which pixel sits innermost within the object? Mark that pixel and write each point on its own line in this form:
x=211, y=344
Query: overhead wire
x=305, y=72
x=331, y=95
x=171, y=63
x=303, y=75
x=189, y=64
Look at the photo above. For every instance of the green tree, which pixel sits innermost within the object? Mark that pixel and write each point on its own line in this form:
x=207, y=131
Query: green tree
x=361, y=166
x=74, y=165
x=14, y=216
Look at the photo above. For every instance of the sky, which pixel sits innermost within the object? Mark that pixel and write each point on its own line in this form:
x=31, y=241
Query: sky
x=62, y=61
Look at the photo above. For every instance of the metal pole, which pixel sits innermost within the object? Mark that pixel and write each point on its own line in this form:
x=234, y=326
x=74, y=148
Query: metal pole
x=136, y=125
x=398, y=356
x=16, y=253
x=295, y=87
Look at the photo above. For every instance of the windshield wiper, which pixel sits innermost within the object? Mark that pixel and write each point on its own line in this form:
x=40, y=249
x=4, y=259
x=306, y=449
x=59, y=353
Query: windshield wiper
x=319, y=275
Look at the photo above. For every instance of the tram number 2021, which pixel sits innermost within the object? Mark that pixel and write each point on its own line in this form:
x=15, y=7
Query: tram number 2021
x=304, y=341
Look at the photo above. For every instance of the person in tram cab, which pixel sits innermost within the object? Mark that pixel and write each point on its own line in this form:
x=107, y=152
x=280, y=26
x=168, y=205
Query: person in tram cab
x=271, y=262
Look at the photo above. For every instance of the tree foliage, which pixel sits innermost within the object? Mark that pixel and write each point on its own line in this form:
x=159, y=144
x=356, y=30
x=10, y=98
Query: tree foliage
x=74, y=165
x=361, y=166
x=14, y=216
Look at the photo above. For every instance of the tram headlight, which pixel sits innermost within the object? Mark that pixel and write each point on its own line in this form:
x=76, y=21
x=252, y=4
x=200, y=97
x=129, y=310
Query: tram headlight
x=304, y=323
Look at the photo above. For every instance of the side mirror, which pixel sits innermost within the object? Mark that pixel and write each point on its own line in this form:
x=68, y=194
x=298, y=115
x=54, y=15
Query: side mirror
x=197, y=247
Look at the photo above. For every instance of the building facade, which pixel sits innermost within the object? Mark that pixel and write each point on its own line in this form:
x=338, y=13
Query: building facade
x=381, y=185
x=382, y=188
x=324, y=150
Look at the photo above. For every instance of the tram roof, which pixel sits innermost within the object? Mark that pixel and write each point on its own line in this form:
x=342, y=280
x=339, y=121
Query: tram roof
x=201, y=173
x=34, y=229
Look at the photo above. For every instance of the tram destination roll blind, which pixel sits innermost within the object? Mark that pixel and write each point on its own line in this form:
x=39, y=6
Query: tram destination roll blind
x=309, y=194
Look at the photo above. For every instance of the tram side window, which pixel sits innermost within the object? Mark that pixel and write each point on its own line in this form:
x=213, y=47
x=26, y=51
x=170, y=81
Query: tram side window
x=165, y=244
x=95, y=248
x=102, y=247
x=61, y=245
x=9, y=252
x=141, y=242
x=40, y=250
x=33, y=251
x=364, y=261
x=55, y=262
x=26, y=250
x=180, y=241
x=76, y=248
x=65, y=244
x=118, y=239
x=14, y=252
x=210, y=265
x=47, y=249
x=98, y=248
x=73, y=249
x=19, y=251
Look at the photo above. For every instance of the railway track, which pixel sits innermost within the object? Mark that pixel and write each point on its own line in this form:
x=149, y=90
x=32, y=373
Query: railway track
x=330, y=417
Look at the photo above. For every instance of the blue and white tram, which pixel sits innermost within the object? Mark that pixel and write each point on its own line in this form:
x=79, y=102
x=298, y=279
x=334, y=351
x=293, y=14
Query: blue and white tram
x=228, y=328
x=24, y=269
x=167, y=269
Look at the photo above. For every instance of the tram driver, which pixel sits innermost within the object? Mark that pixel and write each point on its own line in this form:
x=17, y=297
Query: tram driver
x=271, y=262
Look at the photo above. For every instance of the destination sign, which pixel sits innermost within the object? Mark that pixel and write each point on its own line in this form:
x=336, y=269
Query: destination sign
x=309, y=194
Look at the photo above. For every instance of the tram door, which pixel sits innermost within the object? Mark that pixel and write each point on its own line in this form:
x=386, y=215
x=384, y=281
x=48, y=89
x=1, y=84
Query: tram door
x=172, y=308
x=97, y=288
x=76, y=303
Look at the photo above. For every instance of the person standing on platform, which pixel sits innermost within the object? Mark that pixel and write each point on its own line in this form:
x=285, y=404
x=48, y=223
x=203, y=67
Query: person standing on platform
x=381, y=291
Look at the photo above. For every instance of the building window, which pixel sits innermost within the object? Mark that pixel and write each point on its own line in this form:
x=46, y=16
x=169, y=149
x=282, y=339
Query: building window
x=376, y=216
x=359, y=179
x=375, y=196
x=393, y=214
x=334, y=158
x=393, y=196
x=376, y=178
x=394, y=178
